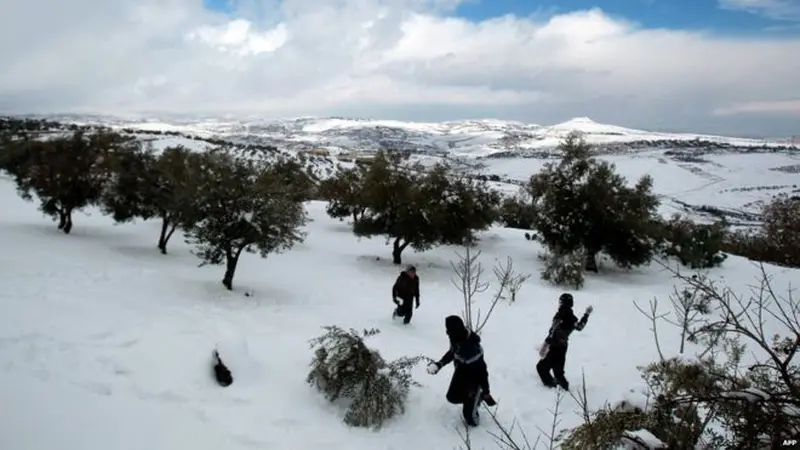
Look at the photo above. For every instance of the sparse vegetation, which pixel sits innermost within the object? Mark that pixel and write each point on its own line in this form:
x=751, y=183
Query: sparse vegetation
x=372, y=390
x=581, y=205
x=344, y=192
x=227, y=203
x=517, y=211
x=145, y=185
x=564, y=269
x=470, y=281
x=698, y=246
x=777, y=241
x=716, y=399
x=65, y=174
x=412, y=206
x=243, y=205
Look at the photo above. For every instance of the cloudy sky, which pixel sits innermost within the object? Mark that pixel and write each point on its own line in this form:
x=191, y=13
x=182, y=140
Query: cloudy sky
x=721, y=66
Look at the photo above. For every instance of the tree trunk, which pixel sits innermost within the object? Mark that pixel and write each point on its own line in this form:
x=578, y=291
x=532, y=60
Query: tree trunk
x=591, y=261
x=397, y=251
x=231, y=260
x=167, y=229
x=62, y=219
x=65, y=217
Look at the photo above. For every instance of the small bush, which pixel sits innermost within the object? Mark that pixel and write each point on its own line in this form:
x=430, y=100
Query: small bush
x=605, y=430
x=564, y=269
x=715, y=399
x=517, y=212
x=698, y=246
x=778, y=241
x=709, y=401
x=344, y=368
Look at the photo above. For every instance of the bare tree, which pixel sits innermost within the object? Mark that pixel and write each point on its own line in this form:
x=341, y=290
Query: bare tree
x=725, y=402
x=715, y=400
x=550, y=439
x=747, y=318
x=466, y=436
x=551, y=435
x=504, y=437
x=469, y=280
x=654, y=317
x=515, y=283
x=689, y=306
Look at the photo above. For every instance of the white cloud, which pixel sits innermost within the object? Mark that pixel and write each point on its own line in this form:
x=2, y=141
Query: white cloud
x=776, y=9
x=238, y=36
x=389, y=58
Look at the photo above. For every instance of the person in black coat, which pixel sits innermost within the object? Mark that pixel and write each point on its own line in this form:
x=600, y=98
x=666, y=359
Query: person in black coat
x=406, y=287
x=554, y=351
x=469, y=385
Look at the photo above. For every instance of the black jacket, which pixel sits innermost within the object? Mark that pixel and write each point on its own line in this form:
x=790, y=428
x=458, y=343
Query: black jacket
x=467, y=357
x=405, y=287
x=466, y=353
x=564, y=323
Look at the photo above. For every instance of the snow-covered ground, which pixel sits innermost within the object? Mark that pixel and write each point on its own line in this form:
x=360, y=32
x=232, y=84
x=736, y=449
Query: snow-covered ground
x=106, y=344
x=468, y=138
x=740, y=182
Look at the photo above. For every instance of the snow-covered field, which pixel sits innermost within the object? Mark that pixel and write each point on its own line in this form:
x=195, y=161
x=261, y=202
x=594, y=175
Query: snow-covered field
x=468, y=138
x=735, y=181
x=106, y=344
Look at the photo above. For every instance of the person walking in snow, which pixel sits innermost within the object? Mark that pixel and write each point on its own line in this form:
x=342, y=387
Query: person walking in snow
x=469, y=385
x=406, y=288
x=553, y=353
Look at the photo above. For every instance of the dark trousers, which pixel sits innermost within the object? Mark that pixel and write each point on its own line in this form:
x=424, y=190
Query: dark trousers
x=406, y=309
x=554, y=360
x=466, y=389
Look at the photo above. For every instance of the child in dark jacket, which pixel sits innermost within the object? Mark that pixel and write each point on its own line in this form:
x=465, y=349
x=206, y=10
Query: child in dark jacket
x=406, y=287
x=469, y=385
x=554, y=351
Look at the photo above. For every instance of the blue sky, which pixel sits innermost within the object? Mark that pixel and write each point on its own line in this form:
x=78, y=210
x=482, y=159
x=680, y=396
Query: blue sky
x=708, y=15
x=694, y=14
x=716, y=66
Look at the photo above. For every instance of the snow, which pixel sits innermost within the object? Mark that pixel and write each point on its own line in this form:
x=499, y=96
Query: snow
x=162, y=142
x=752, y=395
x=468, y=138
x=738, y=182
x=644, y=439
x=105, y=343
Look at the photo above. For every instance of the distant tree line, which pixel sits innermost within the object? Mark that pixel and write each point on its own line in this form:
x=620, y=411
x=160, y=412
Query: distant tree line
x=680, y=149
x=578, y=207
x=226, y=204
x=410, y=205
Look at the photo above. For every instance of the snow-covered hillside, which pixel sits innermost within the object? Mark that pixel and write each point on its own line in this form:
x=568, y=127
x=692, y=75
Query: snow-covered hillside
x=470, y=138
x=740, y=175
x=705, y=187
x=105, y=343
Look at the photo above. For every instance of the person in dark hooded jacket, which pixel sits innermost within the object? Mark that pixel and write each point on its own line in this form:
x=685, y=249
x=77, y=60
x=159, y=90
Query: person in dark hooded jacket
x=554, y=351
x=406, y=287
x=469, y=385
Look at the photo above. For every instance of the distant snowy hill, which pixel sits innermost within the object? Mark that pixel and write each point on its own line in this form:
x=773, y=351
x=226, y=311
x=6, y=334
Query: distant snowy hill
x=739, y=174
x=469, y=138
